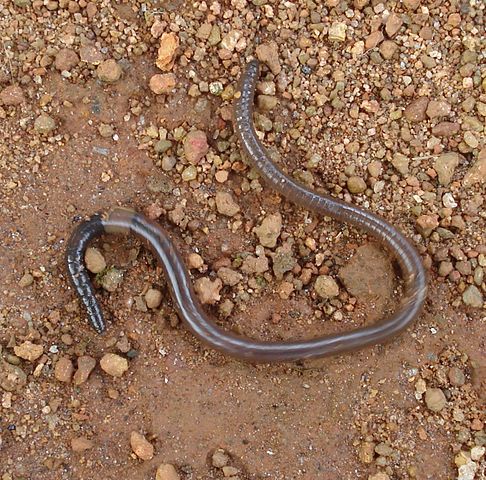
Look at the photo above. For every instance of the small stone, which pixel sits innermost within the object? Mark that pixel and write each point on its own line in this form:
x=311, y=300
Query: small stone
x=169, y=43
x=356, y=184
x=111, y=279
x=467, y=471
x=195, y=146
x=81, y=444
x=66, y=59
x=269, y=230
x=266, y=102
x=252, y=264
x=476, y=173
x=95, y=262
x=162, y=84
x=22, y=3
x=167, y=471
x=388, y=49
x=168, y=163
x=445, y=166
x=456, y=377
x=142, y=448
x=373, y=39
x=366, y=452
x=208, y=291
x=337, y=32
x=195, y=260
x=268, y=54
x=64, y=369
x=162, y=146
x=220, y=459
x=26, y=281
x=153, y=298
x=445, y=129
x=226, y=205
x=426, y=224
x=114, y=365
x=90, y=54
x=283, y=261
x=12, y=96
x=109, y=71
x=411, y=4
x=29, y=351
x=438, y=108
x=471, y=297
x=477, y=453
x=470, y=139
x=415, y=111
x=44, y=124
x=12, y=377
x=384, y=450
x=435, y=399
x=393, y=24
x=400, y=162
x=326, y=287
x=105, y=130
x=229, y=276
x=379, y=476
x=86, y=364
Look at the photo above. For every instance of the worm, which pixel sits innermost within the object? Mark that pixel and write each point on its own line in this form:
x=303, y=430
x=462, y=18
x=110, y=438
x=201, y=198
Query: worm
x=179, y=282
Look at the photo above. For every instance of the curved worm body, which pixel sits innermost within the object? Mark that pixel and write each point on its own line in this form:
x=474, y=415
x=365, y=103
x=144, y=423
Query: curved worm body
x=180, y=285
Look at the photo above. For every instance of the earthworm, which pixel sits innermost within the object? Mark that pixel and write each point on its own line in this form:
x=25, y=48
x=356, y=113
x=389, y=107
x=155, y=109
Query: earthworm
x=184, y=297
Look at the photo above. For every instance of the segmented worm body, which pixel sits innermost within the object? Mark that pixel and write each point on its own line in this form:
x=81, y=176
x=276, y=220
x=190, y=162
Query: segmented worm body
x=179, y=281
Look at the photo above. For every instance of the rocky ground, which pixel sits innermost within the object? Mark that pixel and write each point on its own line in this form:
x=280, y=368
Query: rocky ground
x=107, y=103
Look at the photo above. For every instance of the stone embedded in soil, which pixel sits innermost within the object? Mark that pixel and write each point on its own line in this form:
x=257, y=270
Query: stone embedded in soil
x=426, y=224
x=393, y=24
x=388, y=49
x=111, y=279
x=12, y=377
x=269, y=230
x=81, y=444
x=337, y=32
x=114, y=365
x=167, y=471
x=195, y=146
x=66, y=59
x=26, y=281
x=109, y=71
x=252, y=264
x=162, y=84
x=169, y=43
x=283, y=261
x=220, y=459
x=326, y=287
x=415, y=111
x=445, y=129
x=12, y=96
x=229, y=276
x=438, y=108
x=456, y=377
x=400, y=162
x=207, y=290
x=379, y=476
x=476, y=173
x=435, y=399
x=153, y=298
x=86, y=365
x=44, y=124
x=95, y=262
x=369, y=277
x=266, y=102
x=445, y=165
x=142, y=448
x=473, y=297
x=194, y=260
x=63, y=371
x=356, y=184
x=90, y=54
x=226, y=205
x=366, y=452
x=268, y=54
x=28, y=351
x=373, y=39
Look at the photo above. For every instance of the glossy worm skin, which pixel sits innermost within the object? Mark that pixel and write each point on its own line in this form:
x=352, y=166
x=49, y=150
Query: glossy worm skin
x=179, y=281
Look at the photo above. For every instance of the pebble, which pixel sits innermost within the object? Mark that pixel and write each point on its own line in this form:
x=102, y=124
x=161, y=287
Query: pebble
x=477, y=453
x=445, y=129
x=283, y=261
x=356, y=184
x=445, y=165
x=111, y=279
x=26, y=281
x=473, y=297
x=195, y=146
x=467, y=471
x=456, y=377
x=153, y=298
x=366, y=452
x=163, y=146
x=44, y=124
x=269, y=230
x=470, y=139
x=90, y=54
x=393, y=24
x=95, y=262
x=114, y=365
x=207, y=290
x=337, y=32
x=162, y=84
x=226, y=205
x=435, y=399
x=66, y=59
x=373, y=39
x=220, y=459
x=109, y=71
x=194, y=260
x=166, y=471
x=168, y=163
x=12, y=96
x=142, y=448
x=229, y=276
x=426, y=224
x=400, y=162
x=388, y=49
x=12, y=377
x=86, y=365
x=326, y=287
x=266, y=102
x=415, y=111
x=379, y=476
x=169, y=43
x=268, y=54
x=64, y=369
x=476, y=173
x=438, y=108
x=28, y=351
x=81, y=444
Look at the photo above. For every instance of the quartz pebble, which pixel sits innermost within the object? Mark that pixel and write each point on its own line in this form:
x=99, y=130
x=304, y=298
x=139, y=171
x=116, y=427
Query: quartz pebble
x=44, y=124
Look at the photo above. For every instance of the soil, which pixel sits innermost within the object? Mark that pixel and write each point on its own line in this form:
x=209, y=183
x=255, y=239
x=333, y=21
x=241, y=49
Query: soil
x=309, y=420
